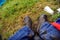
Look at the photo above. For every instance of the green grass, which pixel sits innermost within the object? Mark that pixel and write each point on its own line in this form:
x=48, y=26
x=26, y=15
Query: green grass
x=16, y=6
x=55, y=17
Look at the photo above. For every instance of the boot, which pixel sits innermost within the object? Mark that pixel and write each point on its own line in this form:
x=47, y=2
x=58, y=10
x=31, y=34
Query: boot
x=28, y=21
x=41, y=20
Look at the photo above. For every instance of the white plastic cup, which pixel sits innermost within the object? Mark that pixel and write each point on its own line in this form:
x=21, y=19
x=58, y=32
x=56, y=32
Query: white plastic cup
x=49, y=10
x=58, y=10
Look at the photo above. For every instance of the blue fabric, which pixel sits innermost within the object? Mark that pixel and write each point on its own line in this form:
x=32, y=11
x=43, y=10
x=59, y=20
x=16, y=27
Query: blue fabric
x=2, y=2
x=22, y=34
x=48, y=32
x=58, y=20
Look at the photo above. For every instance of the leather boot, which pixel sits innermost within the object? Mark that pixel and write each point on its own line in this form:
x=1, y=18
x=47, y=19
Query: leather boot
x=41, y=20
x=28, y=21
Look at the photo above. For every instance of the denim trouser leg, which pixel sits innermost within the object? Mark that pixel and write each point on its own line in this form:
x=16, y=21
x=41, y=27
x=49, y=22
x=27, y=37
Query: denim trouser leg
x=48, y=32
x=22, y=34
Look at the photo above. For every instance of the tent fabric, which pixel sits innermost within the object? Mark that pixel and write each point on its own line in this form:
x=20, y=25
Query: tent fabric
x=2, y=2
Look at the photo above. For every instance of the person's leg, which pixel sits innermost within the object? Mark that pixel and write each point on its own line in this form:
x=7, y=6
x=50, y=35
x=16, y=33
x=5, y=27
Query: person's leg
x=22, y=34
x=41, y=20
x=25, y=33
x=47, y=31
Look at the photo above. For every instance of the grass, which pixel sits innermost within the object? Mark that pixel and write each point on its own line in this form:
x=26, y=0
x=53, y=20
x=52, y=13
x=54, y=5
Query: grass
x=13, y=12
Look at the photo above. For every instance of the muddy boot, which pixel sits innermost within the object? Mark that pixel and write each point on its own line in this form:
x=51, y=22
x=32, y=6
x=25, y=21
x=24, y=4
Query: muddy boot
x=41, y=20
x=28, y=21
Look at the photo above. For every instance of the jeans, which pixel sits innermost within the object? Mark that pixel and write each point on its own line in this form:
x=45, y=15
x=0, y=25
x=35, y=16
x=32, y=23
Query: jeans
x=46, y=32
x=49, y=32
